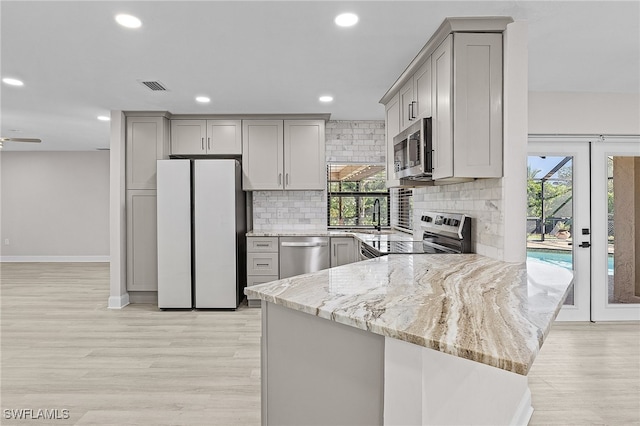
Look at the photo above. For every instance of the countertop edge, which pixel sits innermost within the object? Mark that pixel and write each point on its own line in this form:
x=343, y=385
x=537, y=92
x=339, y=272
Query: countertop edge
x=519, y=365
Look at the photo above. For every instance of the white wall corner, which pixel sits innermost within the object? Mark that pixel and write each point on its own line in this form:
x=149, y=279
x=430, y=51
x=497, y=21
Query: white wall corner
x=117, y=213
x=516, y=130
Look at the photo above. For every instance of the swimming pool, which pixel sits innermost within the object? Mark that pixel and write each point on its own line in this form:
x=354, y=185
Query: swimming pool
x=560, y=258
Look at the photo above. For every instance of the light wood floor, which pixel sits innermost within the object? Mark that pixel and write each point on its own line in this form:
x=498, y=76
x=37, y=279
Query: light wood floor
x=61, y=348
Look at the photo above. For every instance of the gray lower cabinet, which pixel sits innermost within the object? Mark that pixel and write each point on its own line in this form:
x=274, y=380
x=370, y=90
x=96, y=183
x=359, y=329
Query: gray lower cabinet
x=142, y=241
x=319, y=372
x=343, y=251
x=262, y=262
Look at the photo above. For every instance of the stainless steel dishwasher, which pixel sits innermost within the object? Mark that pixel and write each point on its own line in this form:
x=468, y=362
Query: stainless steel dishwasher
x=300, y=255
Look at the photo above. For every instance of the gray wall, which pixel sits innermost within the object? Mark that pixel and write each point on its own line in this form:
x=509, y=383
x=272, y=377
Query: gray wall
x=55, y=206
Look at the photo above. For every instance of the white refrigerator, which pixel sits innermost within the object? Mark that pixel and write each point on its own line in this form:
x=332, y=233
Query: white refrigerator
x=201, y=234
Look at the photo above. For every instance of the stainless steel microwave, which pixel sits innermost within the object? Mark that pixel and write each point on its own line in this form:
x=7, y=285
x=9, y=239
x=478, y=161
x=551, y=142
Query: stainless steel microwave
x=413, y=151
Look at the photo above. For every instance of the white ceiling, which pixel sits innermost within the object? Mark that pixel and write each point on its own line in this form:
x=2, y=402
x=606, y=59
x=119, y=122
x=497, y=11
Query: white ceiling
x=269, y=57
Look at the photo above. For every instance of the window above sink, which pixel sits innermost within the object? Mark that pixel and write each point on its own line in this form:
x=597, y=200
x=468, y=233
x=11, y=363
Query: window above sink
x=352, y=189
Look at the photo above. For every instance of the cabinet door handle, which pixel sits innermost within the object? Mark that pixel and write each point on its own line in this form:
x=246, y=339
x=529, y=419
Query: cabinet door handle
x=208, y=144
x=287, y=179
x=413, y=109
x=202, y=144
x=410, y=111
x=279, y=179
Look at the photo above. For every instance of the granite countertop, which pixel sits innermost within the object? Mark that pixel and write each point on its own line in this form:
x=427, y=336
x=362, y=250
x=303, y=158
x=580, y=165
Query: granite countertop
x=364, y=234
x=465, y=305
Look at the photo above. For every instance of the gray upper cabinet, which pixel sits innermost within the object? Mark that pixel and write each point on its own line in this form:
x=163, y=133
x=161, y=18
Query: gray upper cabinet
x=188, y=137
x=457, y=80
x=415, y=96
x=407, y=104
x=467, y=102
x=283, y=155
x=442, y=110
x=392, y=128
x=422, y=91
x=147, y=140
x=216, y=137
x=224, y=137
x=263, y=156
x=304, y=157
x=477, y=105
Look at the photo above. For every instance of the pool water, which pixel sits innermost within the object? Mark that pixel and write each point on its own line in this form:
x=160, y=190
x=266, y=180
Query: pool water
x=560, y=258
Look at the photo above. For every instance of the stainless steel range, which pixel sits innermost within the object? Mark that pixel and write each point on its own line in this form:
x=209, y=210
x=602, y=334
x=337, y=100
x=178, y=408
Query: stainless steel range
x=442, y=233
x=446, y=232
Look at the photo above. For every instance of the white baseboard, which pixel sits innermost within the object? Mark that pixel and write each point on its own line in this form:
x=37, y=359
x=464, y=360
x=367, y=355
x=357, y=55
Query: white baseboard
x=118, y=302
x=524, y=411
x=67, y=259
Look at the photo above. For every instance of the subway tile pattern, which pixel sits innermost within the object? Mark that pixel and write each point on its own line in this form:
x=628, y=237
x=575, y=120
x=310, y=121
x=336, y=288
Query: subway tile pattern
x=289, y=210
x=480, y=199
x=360, y=141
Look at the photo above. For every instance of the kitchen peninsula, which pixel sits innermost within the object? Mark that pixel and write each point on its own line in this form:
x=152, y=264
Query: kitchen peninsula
x=406, y=339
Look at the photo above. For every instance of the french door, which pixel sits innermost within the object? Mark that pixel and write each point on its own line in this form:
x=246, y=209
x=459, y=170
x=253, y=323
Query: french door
x=583, y=212
x=615, y=206
x=558, y=215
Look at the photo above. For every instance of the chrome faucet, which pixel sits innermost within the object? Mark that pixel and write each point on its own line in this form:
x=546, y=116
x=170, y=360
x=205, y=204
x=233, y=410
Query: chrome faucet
x=376, y=210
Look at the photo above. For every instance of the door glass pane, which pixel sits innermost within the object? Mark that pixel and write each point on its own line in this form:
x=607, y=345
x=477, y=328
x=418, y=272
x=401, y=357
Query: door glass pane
x=550, y=212
x=623, y=196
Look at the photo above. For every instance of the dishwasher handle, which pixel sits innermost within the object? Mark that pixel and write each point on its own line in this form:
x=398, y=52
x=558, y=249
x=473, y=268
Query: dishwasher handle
x=302, y=244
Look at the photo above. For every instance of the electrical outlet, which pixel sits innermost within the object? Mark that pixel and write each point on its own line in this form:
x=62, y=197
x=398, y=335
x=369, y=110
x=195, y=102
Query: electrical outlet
x=6, y=241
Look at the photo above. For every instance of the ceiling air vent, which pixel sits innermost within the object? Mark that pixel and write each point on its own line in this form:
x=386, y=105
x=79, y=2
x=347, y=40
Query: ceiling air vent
x=156, y=86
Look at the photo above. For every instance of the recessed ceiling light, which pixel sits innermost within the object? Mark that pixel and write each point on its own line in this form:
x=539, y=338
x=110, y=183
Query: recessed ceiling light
x=104, y=118
x=128, y=21
x=203, y=99
x=346, y=19
x=325, y=98
x=13, y=81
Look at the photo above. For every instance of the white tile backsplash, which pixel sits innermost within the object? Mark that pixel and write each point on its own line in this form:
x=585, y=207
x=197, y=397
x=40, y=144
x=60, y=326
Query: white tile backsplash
x=480, y=199
x=360, y=141
x=289, y=210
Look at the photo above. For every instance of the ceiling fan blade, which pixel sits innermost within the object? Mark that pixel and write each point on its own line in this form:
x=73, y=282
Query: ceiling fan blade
x=20, y=140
